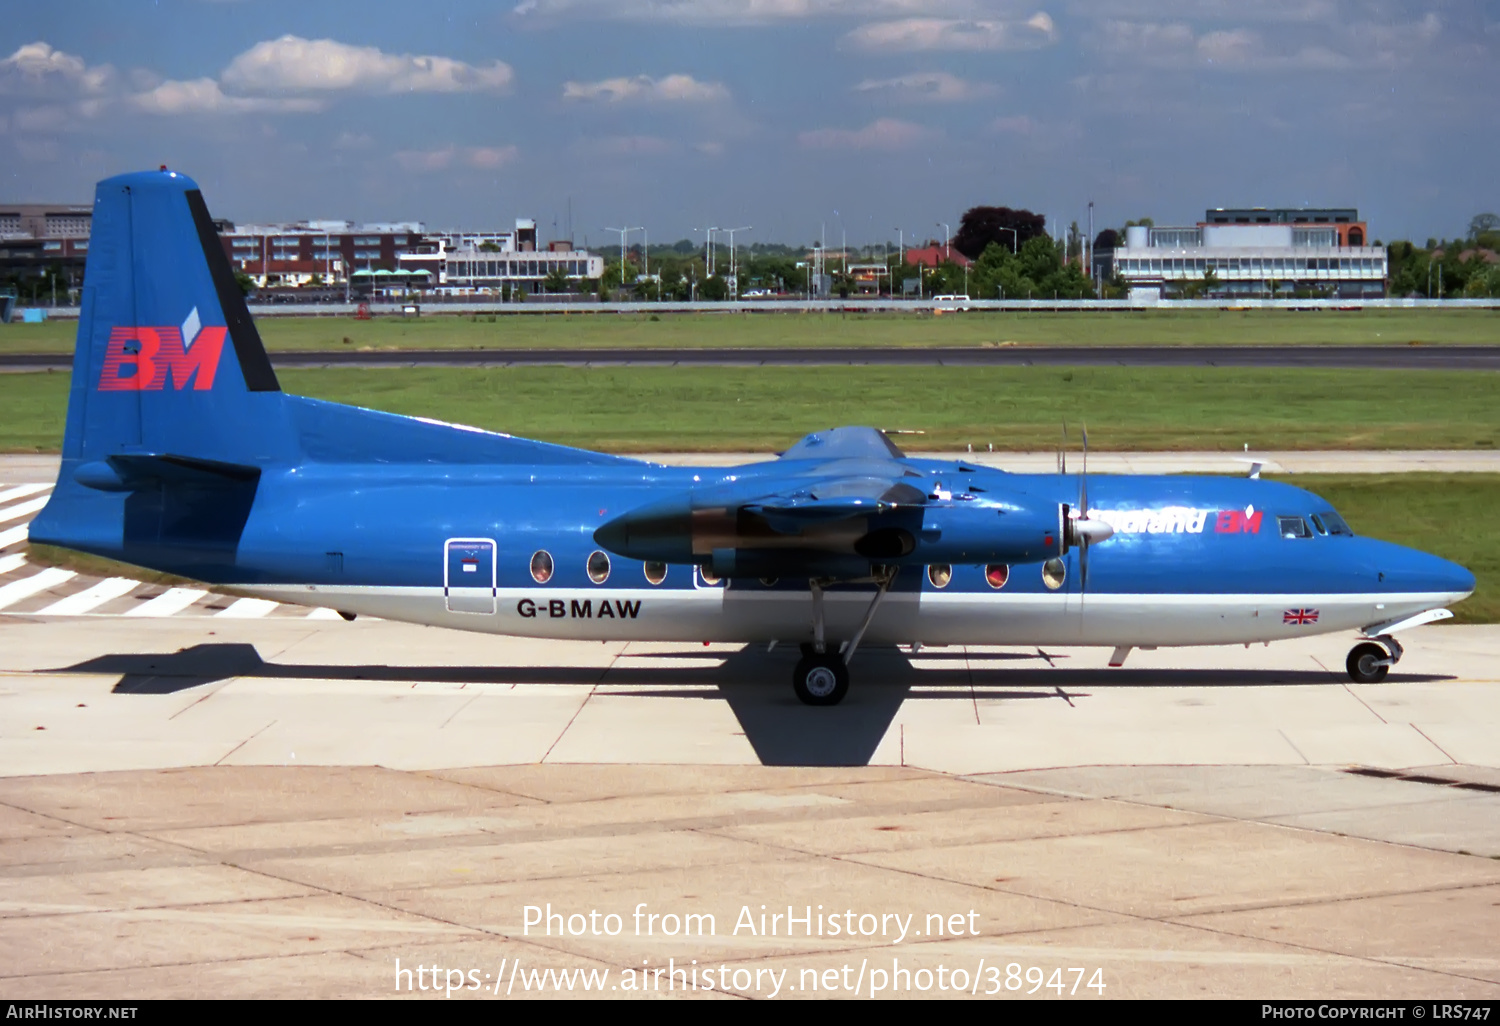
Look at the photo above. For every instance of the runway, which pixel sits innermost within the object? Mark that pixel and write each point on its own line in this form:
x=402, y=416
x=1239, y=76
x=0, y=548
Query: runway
x=1424, y=357
x=196, y=803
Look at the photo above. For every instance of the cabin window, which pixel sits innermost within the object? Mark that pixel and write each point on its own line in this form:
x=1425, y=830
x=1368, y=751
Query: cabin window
x=1293, y=527
x=996, y=574
x=656, y=572
x=598, y=567
x=1336, y=524
x=541, y=566
x=1054, y=572
x=940, y=574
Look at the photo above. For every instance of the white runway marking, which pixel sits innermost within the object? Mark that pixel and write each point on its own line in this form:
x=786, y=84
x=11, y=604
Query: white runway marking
x=22, y=509
x=14, y=535
x=26, y=587
x=168, y=603
x=21, y=491
x=9, y=563
x=77, y=605
x=247, y=609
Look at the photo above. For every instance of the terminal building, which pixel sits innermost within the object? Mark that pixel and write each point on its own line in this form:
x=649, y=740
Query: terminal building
x=37, y=237
x=397, y=258
x=1255, y=253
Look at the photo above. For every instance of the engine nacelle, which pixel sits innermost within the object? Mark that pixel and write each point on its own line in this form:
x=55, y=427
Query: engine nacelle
x=735, y=542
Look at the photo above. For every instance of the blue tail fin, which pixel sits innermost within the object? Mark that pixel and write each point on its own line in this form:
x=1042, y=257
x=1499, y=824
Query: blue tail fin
x=168, y=360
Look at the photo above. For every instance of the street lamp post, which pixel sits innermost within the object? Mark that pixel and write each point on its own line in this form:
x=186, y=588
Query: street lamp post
x=623, y=232
x=1014, y=239
x=947, y=254
x=734, y=280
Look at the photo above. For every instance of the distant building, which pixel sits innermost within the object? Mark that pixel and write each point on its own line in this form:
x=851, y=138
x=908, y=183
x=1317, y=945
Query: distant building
x=35, y=237
x=934, y=254
x=1255, y=252
x=306, y=251
x=399, y=257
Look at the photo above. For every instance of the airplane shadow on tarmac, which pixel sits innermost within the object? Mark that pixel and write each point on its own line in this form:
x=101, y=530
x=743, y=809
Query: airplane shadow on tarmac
x=755, y=684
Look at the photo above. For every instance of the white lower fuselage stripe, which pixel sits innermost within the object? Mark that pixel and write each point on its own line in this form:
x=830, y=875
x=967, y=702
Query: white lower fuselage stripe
x=714, y=614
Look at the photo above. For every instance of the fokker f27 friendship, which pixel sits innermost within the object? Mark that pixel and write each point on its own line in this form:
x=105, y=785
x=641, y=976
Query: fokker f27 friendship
x=182, y=454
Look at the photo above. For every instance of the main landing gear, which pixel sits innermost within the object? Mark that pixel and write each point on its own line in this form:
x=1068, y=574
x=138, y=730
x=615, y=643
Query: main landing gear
x=821, y=676
x=1370, y=661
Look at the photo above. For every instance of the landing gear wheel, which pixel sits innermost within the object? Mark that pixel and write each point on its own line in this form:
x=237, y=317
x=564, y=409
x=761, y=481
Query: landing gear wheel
x=821, y=679
x=1367, y=663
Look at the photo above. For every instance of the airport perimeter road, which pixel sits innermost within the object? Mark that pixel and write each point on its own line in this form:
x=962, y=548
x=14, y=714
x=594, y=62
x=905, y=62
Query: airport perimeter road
x=1435, y=357
x=293, y=809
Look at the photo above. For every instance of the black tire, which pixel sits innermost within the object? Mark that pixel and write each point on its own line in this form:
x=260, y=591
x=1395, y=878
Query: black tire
x=1362, y=663
x=821, y=679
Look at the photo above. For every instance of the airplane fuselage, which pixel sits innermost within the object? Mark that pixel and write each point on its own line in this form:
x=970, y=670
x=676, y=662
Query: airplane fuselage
x=1192, y=561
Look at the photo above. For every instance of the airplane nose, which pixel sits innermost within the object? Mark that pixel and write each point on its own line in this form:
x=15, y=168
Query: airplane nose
x=1410, y=570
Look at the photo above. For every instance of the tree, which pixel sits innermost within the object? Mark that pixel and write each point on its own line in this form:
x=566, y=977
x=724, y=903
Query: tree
x=556, y=280
x=981, y=226
x=1107, y=240
x=1482, y=223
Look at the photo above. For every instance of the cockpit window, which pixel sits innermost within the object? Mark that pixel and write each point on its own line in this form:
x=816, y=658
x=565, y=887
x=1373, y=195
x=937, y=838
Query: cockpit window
x=1317, y=524
x=1293, y=527
x=1336, y=524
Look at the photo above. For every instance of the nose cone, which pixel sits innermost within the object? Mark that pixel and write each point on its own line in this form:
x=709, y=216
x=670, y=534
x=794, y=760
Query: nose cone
x=1408, y=570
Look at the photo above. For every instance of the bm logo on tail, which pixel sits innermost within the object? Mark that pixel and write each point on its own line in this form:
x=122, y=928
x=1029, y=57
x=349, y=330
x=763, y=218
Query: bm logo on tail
x=142, y=359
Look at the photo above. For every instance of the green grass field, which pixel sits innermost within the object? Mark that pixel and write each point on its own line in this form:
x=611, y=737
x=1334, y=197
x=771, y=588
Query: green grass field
x=584, y=330
x=644, y=409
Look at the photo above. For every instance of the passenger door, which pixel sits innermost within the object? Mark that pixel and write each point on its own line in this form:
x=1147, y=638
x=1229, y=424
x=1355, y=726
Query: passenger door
x=469, y=575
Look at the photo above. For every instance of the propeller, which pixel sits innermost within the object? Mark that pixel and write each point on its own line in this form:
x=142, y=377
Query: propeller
x=1085, y=532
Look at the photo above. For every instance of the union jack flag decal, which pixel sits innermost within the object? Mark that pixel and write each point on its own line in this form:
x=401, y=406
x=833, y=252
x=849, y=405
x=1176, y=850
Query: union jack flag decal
x=1300, y=616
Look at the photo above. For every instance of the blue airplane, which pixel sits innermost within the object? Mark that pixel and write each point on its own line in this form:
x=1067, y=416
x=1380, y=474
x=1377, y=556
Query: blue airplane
x=183, y=454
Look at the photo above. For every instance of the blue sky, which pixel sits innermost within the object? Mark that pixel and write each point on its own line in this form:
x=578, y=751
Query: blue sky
x=793, y=116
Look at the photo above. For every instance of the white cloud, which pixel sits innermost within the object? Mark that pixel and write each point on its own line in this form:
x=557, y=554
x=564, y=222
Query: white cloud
x=952, y=34
x=1218, y=10
x=203, y=96
x=746, y=12
x=294, y=64
x=1178, y=46
x=490, y=158
x=644, y=89
x=926, y=86
x=883, y=134
x=484, y=158
x=38, y=69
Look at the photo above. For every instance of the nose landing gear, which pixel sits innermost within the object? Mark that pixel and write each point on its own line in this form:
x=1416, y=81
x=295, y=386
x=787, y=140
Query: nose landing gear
x=1370, y=661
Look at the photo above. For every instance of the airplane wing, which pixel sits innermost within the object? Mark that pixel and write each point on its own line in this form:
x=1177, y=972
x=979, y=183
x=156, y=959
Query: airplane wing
x=832, y=503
